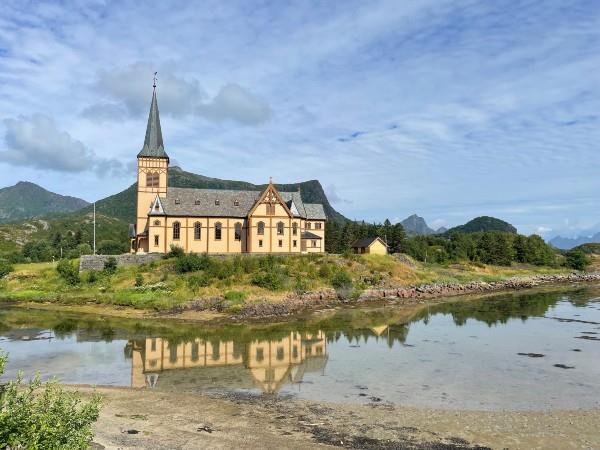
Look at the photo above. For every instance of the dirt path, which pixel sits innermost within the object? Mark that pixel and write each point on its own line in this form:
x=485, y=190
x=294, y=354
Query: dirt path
x=156, y=420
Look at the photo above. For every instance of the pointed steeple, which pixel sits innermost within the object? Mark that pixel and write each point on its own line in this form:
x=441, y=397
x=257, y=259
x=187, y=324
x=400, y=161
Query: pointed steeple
x=153, y=142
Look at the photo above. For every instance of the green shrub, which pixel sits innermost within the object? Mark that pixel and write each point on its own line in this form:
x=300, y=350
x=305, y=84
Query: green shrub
x=110, y=247
x=176, y=252
x=235, y=296
x=110, y=265
x=68, y=271
x=192, y=262
x=5, y=268
x=301, y=286
x=44, y=416
x=92, y=276
x=576, y=259
x=271, y=280
x=198, y=280
x=139, y=280
x=341, y=280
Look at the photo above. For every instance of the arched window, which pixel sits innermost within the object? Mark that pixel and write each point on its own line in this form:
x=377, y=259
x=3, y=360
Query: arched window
x=238, y=231
x=197, y=231
x=279, y=227
x=152, y=179
x=294, y=228
x=218, y=231
x=176, y=231
x=261, y=228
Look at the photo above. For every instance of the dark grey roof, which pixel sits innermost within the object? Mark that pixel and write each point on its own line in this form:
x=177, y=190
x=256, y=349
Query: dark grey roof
x=365, y=242
x=309, y=235
x=203, y=203
x=153, y=142
x=315, y=211
x=131, y=232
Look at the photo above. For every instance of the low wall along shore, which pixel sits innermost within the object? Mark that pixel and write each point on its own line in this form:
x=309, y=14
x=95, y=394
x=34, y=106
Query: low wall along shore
x=96, y=262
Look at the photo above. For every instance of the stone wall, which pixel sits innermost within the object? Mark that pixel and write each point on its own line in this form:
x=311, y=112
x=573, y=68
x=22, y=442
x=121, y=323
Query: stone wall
x=96, y=262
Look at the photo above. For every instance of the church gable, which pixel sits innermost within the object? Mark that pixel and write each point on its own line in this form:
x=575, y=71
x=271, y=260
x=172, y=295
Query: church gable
x=157, y=209
x=270, y=203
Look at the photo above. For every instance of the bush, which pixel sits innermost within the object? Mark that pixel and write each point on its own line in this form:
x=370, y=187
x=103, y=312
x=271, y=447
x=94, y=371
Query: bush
x=112, y=248
x=92, y=277
x=5, y=268
x=139, y=280
x=271, y=280
x=192, y=262
x=576, y=259
x=301, y=286
x=44, y=415
x=68, y=271
x=197, y=281
x=110, y=265
x=176, y=252
x=341, y=280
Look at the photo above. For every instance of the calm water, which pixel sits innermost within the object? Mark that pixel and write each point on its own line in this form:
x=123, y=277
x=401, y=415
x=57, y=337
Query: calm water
x=533, y=351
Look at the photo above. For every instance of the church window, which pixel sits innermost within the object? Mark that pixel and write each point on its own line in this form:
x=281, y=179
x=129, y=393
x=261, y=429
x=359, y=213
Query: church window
x=152, y=179
x=318, y=226
x=280, y=243
x=308, y=225
x=238, y=231
x=294, y=228
x=176, y=230
x=261, y=228
x=157, y=223
x=280, y=228
x=295, y=243
x=197, y=231
x=270, y=209
x=260, y=242
x=156, y=240
x=314, y=243
x=218, y=231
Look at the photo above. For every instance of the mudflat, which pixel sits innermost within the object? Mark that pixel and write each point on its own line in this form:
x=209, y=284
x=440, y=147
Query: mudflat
x=149, y=419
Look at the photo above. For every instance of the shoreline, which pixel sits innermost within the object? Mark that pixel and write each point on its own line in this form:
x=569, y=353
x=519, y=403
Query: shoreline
x=129, y=419
x=294, y=306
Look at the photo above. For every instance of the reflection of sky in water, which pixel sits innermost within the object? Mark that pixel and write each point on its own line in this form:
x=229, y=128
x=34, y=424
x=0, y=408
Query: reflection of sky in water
x=440, y=364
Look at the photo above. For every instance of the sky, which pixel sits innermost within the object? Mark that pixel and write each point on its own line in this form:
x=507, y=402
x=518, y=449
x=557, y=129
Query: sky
x=447, y=109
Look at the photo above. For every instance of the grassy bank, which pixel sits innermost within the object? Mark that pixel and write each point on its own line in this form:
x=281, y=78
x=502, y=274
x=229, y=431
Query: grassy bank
x=231, y=282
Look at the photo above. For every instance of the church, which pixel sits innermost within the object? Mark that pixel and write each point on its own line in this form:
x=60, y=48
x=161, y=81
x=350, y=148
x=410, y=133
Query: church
x=216, y=221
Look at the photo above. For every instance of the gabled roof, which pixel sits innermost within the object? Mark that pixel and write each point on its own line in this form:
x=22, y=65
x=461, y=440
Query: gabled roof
x=153, y=142
x=157, y=208
x=315, y=211
x=309, y=235
x=222, y=203
x=366, y=242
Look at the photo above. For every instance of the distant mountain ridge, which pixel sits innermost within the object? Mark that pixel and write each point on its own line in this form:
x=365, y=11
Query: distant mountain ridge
x=27, y=200
x=568, y=243
x=416, y=226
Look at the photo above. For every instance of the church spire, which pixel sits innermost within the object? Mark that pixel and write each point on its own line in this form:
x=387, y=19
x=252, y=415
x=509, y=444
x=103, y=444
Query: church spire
x=153, y=142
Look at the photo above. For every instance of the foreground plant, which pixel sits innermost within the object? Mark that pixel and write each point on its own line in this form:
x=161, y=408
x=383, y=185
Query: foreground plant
x=43, y=415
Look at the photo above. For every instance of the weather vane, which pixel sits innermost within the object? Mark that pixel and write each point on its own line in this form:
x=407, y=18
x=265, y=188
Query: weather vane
x=154, y=83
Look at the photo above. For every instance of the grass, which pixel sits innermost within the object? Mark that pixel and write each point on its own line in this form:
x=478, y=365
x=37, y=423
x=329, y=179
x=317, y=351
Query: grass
x=238, y=280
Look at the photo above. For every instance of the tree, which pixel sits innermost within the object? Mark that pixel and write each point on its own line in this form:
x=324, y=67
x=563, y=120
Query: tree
x=576, y=259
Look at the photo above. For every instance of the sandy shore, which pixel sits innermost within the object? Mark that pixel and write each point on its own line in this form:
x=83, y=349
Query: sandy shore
x=157, y=420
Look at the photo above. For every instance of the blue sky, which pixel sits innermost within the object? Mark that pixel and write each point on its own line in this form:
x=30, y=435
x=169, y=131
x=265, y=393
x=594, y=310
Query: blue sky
x=448, y=109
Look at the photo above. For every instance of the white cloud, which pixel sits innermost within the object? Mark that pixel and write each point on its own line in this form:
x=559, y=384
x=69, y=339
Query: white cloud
x=36, y=142
x=235, y=103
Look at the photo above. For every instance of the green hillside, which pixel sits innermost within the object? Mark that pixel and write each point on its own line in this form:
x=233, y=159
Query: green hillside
x=25, y=200
x=483, y=223
x=122, y=205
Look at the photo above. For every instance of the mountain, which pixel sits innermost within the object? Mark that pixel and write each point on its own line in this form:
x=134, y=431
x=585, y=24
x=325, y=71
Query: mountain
x=26, y=200
x=122, y=205
x=416, y=225
x=483, y=223
x=568, y=243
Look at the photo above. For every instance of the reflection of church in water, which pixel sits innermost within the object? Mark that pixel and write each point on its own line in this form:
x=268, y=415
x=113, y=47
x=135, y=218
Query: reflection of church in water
x=214, y=364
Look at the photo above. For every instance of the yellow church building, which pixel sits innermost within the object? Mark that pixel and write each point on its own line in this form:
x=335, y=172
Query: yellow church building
x=213, y=220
